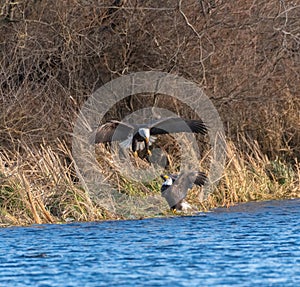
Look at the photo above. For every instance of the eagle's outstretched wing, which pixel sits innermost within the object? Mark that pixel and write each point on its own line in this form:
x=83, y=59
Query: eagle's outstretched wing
x=113, y=131
x=177, y=125
x=187, y=179
x=200, y=179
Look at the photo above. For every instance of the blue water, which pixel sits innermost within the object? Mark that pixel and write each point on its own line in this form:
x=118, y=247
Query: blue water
x=255, y=244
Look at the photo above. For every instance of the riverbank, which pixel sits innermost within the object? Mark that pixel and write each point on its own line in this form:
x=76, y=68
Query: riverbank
x=39, y=187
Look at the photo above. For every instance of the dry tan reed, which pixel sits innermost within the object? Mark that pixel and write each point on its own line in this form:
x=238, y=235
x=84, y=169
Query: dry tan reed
x=38, y=187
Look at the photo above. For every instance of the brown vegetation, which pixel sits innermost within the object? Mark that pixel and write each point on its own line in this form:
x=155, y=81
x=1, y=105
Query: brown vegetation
x=53, y=54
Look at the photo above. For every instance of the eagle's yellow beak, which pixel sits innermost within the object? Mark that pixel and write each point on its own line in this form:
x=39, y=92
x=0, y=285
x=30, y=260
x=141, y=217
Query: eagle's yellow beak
x=147, y=140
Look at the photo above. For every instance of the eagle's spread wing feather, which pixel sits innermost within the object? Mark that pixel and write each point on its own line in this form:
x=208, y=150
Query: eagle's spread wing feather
x=177, y=125
x=113, y=131
x=201, y=178
x=194, y=177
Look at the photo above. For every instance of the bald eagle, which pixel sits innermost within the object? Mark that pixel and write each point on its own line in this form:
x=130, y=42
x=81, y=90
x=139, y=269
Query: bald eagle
x=175, y=187
x=140, y=136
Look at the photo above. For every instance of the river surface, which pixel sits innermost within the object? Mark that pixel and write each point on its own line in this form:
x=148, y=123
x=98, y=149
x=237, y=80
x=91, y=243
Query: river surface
x=255, y=244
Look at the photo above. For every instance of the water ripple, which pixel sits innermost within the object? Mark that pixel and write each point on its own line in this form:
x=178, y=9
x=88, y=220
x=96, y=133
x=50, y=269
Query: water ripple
x=247, y=245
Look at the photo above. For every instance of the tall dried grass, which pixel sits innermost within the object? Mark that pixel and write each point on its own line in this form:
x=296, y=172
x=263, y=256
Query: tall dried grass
x=37, y=186
x=254, y=176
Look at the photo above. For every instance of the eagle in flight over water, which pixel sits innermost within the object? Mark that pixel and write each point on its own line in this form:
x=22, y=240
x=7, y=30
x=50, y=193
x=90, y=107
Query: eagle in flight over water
x=141, y=136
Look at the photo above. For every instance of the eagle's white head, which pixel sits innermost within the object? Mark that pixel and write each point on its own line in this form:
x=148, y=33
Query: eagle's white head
x=145, y=133
x=168, y=180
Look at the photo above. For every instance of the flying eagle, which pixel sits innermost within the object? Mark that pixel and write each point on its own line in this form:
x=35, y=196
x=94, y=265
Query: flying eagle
x=175, y=187
x=140, y=136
